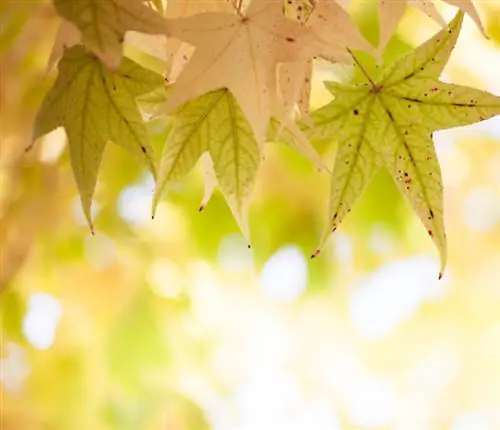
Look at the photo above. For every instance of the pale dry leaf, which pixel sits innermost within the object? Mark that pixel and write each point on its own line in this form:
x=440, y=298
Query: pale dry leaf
x=104, y=23
x=334, y=26
x=210, y=182
x=153, y=45
x=178, y=52
x=294, y=85
x=391, y=11
x=67, y=36
x=299, y=10
x=241, y=53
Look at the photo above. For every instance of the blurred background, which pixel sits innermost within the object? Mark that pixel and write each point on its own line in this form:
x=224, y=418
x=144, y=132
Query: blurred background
x=174, y=324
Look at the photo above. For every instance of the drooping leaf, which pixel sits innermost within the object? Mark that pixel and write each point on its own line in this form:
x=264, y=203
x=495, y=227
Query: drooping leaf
x=391, y=11
x=390, y=122
x=294, y=86
x=95, y=105
x=104, y=23
x=213, y=123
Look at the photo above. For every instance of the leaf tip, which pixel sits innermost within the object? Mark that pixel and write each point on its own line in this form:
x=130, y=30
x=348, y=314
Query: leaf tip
x=315, y=254
x=154, y=207
x=156, y=201
x=29, y=147
x=440, y=276
x=201, y=208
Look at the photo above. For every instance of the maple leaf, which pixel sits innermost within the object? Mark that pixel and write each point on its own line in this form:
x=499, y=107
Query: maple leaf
x=95, y=105
x=389, y=123
x=391, y=11
x=104, y=23
x=240, y=52
x=179, y=52
x=213, y=123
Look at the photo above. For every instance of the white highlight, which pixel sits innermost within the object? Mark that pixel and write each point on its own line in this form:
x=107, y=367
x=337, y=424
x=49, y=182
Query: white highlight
x=41, y=320
x=284, y=276
x=371, y=401
x=134, y=203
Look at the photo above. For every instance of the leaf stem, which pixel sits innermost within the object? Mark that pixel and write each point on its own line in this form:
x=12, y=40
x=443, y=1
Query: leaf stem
x=363, y=70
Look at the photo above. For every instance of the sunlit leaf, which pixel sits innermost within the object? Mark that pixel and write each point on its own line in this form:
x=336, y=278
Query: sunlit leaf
x=240, y=52
x=214, y=123
x=391, y=121
x=95, y=105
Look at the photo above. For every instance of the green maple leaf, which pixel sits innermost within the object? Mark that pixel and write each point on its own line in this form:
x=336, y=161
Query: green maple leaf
x=103, y=23
x=94, y=106
x=389, y=124
x=213, y=123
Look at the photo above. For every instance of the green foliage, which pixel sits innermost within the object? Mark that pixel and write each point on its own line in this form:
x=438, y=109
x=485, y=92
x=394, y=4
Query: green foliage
x=390, y=122
x=96, y=105
x=214, y=123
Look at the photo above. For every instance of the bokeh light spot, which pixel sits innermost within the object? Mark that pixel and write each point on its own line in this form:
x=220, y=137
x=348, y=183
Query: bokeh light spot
x=134, y=202
x=234, y=255
x=100, y=251
x=481, y=210
x=166, y=278
x=284, y=276
x=41, y=320
x=392, y=295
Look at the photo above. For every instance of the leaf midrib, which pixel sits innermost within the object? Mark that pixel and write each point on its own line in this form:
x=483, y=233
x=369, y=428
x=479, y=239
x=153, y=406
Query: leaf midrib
x=195, y=129
x=400, y=135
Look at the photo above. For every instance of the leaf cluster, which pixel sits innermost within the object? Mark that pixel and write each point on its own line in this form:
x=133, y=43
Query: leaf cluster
x=236, y=75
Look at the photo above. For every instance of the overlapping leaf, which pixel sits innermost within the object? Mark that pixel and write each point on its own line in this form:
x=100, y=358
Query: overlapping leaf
x=179, y=52
x=390, y=123
x=213, y=123
x=67, y=36
x=104, y=23
x=95, y=105
x=240, y=52
x=391, y=11
x=333, y=25
x=236, y=64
